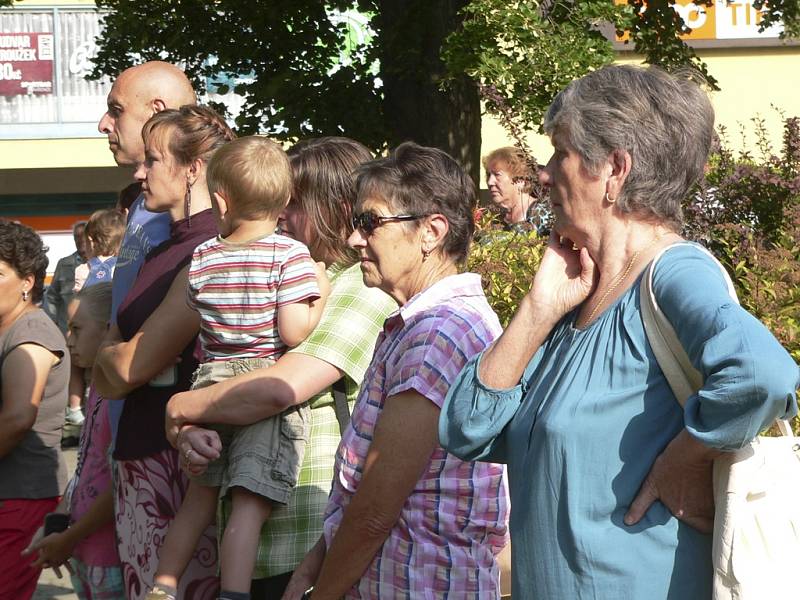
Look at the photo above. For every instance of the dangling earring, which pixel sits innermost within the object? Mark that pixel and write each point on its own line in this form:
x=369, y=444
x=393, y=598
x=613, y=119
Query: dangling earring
x=24, y=295
x=187, y=202
x=609, y=199
x=425, y=255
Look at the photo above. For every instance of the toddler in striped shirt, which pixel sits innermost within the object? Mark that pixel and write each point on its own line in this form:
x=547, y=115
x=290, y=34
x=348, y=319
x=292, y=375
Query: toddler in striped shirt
x=258, y=293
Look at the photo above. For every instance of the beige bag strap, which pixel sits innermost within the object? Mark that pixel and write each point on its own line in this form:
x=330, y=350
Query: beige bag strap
x=683, y=378
x=681, y=375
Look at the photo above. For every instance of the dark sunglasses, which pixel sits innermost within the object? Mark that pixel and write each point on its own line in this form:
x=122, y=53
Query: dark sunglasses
x=369, y=222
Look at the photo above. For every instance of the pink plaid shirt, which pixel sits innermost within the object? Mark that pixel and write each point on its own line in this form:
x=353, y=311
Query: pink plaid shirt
x=454, y=522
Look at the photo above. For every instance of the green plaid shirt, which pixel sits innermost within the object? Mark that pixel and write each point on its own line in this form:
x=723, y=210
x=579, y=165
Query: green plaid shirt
x=344, y=338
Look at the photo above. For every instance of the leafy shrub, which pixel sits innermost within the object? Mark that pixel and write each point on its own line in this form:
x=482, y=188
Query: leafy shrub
x=748, y=213
x=507, y=262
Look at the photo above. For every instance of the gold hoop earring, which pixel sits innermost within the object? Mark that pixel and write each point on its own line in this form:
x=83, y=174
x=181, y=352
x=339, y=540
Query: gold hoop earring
x=609, y=199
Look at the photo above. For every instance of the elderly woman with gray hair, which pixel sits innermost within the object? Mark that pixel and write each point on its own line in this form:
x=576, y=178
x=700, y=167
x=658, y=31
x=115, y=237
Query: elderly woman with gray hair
x=610, y=478
x=405, y=519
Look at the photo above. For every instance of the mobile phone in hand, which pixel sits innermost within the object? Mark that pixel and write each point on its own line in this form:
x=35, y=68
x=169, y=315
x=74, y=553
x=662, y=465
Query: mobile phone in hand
x=55, y=523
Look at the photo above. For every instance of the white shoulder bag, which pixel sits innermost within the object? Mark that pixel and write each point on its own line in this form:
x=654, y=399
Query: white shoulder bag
x=756, y=547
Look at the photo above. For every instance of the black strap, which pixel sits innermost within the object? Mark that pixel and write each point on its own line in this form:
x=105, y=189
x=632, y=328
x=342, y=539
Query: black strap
x=340, y=405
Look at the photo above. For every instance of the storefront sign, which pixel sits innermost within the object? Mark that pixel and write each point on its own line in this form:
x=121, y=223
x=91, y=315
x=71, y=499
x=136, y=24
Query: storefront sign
x=722, y=20
x=26, y=63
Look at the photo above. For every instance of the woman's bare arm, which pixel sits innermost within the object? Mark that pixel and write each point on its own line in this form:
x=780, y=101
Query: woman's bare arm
x=253, y=396
x=161, y=339
x=25, y=371
x=405, y=437
x=564, y=280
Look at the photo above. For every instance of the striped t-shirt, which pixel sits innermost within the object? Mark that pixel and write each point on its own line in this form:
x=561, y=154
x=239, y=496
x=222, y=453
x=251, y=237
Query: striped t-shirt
x=238, y=287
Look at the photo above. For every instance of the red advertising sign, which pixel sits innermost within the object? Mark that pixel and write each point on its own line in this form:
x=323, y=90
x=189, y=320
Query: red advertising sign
x=26, y=63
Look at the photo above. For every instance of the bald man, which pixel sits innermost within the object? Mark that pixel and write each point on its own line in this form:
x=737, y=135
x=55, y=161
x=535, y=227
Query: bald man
x=137, y=94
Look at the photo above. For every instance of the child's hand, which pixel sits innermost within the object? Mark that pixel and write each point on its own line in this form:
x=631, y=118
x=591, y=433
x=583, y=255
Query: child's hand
x=322, y=280
x=54, y=550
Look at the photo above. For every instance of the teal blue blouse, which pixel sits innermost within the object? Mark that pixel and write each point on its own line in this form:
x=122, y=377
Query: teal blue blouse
x=588, y=419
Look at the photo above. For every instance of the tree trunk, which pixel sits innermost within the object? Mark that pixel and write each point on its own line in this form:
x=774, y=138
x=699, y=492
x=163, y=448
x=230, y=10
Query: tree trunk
x=415, y=108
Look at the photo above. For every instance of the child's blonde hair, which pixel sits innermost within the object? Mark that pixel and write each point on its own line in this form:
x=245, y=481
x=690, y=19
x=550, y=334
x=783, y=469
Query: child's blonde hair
x=105, y=229
x=253, y=174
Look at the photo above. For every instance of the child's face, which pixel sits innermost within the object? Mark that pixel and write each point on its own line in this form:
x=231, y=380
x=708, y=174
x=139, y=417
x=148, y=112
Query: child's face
x=84, y=335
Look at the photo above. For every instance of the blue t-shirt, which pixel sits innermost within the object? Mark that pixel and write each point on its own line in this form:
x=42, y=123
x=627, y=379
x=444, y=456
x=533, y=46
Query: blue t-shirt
x=100, y=271
x=144, y=232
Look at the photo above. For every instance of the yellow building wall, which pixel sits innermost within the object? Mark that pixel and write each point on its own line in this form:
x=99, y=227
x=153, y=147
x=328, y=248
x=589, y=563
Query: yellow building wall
x=56, y=154
x=752, y=81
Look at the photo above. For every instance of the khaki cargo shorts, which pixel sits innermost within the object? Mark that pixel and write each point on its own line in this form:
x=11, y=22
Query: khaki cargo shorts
x=264, y=457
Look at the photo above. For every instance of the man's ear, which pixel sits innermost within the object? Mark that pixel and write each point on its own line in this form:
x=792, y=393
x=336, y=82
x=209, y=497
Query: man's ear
x=158, y=105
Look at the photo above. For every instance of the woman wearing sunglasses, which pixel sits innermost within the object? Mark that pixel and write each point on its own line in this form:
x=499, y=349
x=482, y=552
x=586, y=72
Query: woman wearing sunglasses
x=330, y=363
x=405, y=519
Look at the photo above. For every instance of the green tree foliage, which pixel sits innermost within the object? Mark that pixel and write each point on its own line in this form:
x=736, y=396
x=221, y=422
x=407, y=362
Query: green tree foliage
x=283, y=57
x=280, y=55
x=523, y=52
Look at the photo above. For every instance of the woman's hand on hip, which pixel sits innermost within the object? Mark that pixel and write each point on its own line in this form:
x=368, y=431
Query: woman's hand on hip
x=681, y=478
x=565, y=277
x=197, y=447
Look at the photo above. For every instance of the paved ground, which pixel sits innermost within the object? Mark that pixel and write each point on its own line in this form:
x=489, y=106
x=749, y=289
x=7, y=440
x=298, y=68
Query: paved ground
x=51, y=587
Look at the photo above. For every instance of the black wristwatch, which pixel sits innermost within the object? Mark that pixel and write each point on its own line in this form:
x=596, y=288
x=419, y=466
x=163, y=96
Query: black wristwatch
x=307, y=594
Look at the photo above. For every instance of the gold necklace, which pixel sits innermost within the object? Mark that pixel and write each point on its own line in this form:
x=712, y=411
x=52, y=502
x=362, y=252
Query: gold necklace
x=618, y=280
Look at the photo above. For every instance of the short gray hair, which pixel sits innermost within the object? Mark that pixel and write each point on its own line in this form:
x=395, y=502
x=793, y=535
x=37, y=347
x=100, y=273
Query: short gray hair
x=664, y=121
x=418, y=180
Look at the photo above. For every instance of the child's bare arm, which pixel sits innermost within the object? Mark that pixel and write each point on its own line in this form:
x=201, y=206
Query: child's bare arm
x=296, y=321
x=56, y=548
